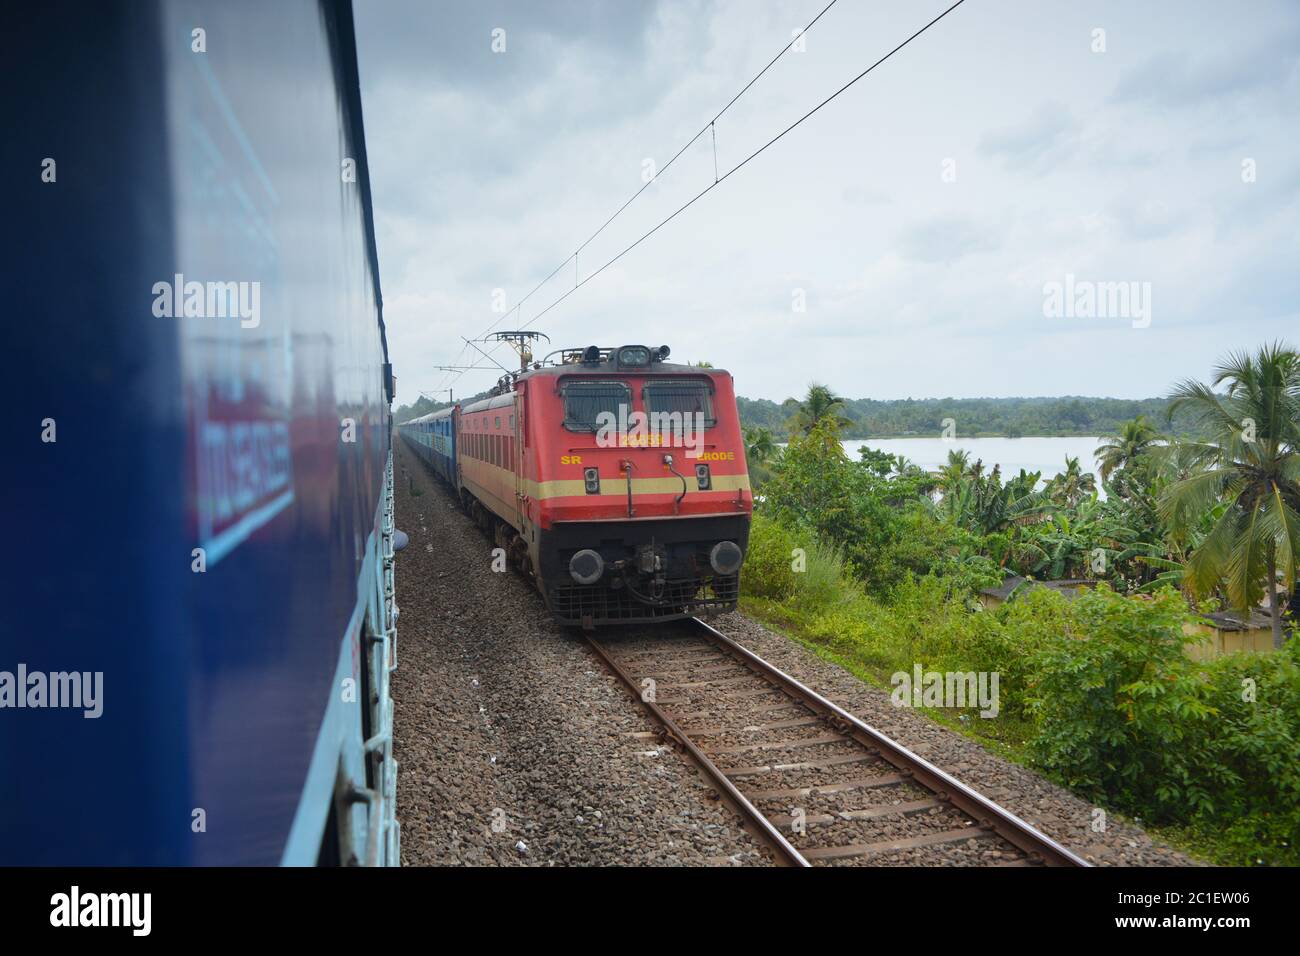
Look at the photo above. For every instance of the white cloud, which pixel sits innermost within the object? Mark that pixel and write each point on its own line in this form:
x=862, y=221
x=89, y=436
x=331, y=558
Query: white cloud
x=489, y=169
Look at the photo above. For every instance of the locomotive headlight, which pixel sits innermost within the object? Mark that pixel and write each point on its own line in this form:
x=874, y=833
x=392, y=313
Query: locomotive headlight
x=726, y=557
x=702, y=478
x=634, y=355
x=587, y=566
x=591, y=480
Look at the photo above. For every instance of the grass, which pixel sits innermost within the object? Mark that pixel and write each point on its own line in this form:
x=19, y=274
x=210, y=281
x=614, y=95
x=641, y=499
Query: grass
x=1001, y=735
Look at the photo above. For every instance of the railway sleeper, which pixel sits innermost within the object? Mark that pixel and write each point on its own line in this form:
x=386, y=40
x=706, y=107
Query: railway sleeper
x=891, y=846
x=862, y=783
x=793, y=722
x=821, y=741
x=804, y=765
x=784, y=820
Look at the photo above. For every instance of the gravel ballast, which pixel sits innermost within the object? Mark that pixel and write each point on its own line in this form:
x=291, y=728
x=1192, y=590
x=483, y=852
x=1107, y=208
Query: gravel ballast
x=516, y=745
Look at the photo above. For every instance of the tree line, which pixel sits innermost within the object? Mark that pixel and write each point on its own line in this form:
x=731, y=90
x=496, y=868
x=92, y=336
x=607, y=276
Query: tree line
x=971, y=417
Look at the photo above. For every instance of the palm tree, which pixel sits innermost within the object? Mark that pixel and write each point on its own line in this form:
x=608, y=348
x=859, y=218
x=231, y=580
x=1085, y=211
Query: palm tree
x=1072, y=485
x=1250, y=461
x=950, y=476
x=1135, y=438
x=759, y=445
x=821, y=404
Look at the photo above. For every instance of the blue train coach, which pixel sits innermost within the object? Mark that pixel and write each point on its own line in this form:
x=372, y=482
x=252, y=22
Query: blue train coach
x=433, y=439
x=202, y=618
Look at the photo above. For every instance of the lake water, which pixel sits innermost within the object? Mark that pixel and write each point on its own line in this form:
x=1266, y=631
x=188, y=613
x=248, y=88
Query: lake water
x=1032, y=454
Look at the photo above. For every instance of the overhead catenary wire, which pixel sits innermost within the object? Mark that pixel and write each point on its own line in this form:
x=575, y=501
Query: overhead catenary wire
x=709, y=127
x=736, y=168
x=719, y=180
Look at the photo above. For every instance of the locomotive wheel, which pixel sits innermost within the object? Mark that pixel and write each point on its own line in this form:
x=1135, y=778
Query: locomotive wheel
x=519, y=555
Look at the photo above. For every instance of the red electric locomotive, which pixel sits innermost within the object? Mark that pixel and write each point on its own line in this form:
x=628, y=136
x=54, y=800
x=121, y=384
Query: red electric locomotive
x=615, y=480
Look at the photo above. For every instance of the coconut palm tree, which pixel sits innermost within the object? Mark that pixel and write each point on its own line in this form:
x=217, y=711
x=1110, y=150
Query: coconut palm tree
x=1072, y=485
x=1250, y=460
x=950, y=476
x=759, y=445
x=1135, y=438
x=821, y=404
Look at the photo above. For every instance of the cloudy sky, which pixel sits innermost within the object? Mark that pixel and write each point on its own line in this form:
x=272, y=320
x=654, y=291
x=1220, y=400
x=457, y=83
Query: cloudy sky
x=917, y=218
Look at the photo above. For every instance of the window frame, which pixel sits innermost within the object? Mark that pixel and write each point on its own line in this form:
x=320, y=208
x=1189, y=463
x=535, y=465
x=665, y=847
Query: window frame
x=564, y=387
x=710, y=420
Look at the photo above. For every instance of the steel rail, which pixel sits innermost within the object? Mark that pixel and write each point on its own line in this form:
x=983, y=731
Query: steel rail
x=786, y=853
x=985, y=812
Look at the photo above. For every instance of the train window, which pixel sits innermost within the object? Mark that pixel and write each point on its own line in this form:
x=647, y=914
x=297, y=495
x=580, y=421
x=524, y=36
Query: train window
x=584, y=403
x=498, y=425
x=685, y=398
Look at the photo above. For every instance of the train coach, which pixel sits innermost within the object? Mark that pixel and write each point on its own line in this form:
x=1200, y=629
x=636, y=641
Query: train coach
x=614, y=479
x=433, y=439
x=196, y=668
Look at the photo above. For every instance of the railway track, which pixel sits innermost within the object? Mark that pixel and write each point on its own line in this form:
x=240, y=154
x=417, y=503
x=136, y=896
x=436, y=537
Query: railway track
x=819, y=786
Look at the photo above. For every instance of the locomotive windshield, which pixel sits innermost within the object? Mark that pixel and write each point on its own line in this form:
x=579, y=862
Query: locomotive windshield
x=687, y=399
x=584, y=402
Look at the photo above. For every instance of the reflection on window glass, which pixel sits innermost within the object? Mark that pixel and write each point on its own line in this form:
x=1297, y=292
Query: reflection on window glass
x=585, y=401
x=684, y=398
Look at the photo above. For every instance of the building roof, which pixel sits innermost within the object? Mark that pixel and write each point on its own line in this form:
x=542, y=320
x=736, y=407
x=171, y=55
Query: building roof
x=1064, y=586
x=1236, y=621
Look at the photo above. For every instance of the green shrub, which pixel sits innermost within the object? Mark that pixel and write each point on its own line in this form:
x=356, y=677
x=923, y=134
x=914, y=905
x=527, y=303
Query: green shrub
x=824, y=580
x=817, y=489
x=1255, y=746
x=768, y=572
x=1123, y=714
x=1028, y=625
